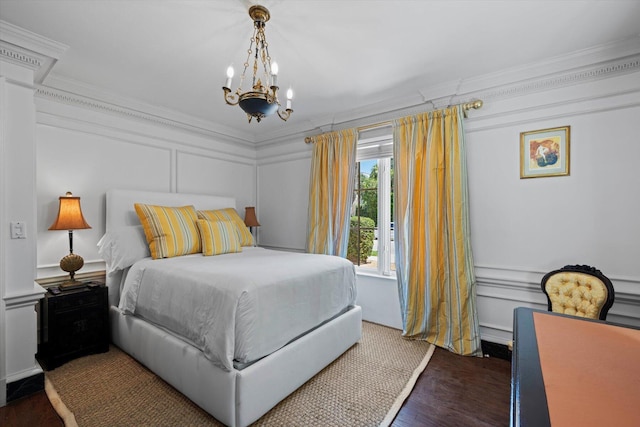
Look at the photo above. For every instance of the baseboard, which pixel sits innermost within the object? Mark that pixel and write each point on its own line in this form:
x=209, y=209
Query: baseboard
x=493, y=349
x=25, y=387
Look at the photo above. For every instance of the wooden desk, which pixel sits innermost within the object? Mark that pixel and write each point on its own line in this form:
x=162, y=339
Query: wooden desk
x=569, y=371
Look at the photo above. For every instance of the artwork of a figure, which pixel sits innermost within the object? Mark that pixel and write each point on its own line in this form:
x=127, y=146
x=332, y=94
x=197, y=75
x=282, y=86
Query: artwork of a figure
x=544, y=152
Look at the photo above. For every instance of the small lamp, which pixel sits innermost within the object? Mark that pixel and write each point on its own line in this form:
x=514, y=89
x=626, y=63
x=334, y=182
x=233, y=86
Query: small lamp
x=70, y=218
x=250, y=219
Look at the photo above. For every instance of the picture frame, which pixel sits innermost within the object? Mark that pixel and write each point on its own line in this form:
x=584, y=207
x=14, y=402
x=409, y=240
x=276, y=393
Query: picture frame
x=545, y=152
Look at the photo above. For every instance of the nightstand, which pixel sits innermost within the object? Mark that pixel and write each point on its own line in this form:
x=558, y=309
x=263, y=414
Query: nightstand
x=73, y=323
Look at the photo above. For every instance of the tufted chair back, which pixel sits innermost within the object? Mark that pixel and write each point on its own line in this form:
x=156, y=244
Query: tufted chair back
x=579, y=290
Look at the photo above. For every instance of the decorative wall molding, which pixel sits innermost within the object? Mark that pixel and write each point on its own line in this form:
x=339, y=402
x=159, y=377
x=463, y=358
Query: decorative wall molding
x=76, y=124
x=24, y=299
x=504, y=288
x=230, y=159
x=492, y=87
x=20, y=57
x=511, y=284
x=53, y=270
x=554, y=81
x=26, y=39
x=29, y=50
x=495, y=327
x=514, y=116
x=80, y=101
x=489, y=88
x=283, y=158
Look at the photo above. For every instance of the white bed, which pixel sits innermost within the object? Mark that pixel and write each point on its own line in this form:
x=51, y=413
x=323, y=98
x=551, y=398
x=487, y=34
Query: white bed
x=235, y=395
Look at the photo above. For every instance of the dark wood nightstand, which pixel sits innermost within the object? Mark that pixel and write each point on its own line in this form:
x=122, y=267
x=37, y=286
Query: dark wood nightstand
x=73, y=323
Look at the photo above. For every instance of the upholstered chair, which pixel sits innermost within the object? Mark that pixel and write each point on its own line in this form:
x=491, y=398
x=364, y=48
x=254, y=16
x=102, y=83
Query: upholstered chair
x=578, y=290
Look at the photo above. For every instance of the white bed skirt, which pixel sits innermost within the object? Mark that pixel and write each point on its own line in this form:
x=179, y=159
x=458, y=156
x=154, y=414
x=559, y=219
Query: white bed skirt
x=239, y=397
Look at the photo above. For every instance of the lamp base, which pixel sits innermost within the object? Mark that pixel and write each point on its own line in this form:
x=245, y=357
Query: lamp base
x=71, y=263
x=71, y=284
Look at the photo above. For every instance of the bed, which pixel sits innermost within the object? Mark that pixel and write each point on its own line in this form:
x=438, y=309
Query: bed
x=242, y=379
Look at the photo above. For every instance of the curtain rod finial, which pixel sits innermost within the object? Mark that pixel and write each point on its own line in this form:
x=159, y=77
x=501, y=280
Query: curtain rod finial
x=473, y=104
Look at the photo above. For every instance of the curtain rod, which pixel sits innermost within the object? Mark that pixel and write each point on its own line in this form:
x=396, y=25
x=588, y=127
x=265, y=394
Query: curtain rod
x=466, y=107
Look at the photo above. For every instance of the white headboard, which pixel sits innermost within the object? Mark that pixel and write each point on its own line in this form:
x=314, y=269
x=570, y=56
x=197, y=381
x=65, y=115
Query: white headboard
x=120, y=203
x=120, y=212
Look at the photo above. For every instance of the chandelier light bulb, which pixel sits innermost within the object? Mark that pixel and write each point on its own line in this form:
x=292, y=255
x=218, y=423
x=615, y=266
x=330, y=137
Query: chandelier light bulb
x=274, y=74
x=229, y=76
x=289, y=97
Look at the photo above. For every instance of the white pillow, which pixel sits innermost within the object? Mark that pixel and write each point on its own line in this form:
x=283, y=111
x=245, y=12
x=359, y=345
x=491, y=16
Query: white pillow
x=122, y=247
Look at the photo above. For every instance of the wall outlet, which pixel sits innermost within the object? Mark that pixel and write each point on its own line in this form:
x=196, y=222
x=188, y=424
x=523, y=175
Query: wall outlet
x=18, y=230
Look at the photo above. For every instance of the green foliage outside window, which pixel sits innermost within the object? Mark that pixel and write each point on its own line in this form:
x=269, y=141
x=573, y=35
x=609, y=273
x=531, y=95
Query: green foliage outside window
x=369, y=198
x=369, y=195
x=360, y=239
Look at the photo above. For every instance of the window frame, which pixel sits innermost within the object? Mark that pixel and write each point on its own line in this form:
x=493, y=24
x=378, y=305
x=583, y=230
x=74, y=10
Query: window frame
x=379, y=148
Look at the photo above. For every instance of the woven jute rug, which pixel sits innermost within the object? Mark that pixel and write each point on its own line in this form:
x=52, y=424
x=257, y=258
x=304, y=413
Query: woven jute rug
x=364, y=387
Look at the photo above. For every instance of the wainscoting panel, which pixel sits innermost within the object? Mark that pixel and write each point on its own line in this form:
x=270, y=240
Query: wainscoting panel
x=210, y=174
x=283, y=194
x=500, y=290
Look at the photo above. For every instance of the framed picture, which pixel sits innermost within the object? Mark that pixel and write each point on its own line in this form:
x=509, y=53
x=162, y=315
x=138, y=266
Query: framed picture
x=544, y=152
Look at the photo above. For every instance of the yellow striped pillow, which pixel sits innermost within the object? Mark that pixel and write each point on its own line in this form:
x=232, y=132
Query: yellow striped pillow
x=218, y=237
x=170, y=231
x=229, y=214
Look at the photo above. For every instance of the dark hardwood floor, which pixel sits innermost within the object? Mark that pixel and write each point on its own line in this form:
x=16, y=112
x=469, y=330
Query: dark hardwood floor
x=459, y=391
x=34, y=410
x=453, y=391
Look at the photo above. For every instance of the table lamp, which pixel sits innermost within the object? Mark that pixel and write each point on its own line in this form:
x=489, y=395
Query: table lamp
x=250, y=219
x=70, y=218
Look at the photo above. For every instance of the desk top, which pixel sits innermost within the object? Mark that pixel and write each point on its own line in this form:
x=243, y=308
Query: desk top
x=569, y=371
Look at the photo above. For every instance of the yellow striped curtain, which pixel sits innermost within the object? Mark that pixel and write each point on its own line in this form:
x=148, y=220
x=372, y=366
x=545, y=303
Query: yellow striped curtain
x=434, y=264
x=331, y=192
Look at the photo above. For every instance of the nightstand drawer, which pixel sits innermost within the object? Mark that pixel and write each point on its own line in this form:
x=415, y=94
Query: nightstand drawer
x=73, y=301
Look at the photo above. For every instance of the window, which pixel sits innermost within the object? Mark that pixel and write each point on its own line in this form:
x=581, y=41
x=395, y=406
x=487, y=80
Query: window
x=371, y=238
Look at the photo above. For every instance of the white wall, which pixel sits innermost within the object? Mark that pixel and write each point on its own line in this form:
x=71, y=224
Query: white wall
x=521, y=228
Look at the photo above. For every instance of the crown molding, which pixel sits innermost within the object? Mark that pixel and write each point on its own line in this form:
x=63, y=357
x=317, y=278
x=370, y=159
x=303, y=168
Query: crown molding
x=31, y=41
x=167, y=119
x=29, y=50
x=600, y=62
x=20, y=56
x=609, y=69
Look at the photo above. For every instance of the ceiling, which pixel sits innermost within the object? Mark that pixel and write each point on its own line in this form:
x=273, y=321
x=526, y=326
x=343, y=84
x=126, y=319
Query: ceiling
x=343, y=58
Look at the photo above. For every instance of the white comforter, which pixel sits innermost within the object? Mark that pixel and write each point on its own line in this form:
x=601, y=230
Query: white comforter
x=243, y=306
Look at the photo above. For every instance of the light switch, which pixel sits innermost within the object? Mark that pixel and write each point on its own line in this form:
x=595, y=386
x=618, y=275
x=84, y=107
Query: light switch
x=18, y=230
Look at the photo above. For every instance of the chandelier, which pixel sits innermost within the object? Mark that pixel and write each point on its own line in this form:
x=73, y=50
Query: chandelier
x=261, y=100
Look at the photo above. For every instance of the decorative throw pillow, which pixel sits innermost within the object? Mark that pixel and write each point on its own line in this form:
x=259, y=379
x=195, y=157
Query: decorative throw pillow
x=218, y=237
x=170, y=231
x=229, y=214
